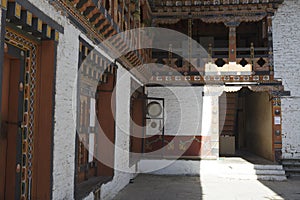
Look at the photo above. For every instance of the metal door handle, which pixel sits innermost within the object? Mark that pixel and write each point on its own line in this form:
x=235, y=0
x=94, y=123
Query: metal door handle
x=19, y=124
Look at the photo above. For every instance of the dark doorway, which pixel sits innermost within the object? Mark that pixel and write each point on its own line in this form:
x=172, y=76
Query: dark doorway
x=246, y=124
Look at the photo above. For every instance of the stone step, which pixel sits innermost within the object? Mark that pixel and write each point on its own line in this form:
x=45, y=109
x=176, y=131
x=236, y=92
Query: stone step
x=253, y=171
x=228, y=170
x=290, y=161
x=293, y=170
x=291, y=164
x=271, y=178
x=261, y=172
x=274, y=167
x=292, y=167
x=292, y=174
x=256, y=177
x=270, y=172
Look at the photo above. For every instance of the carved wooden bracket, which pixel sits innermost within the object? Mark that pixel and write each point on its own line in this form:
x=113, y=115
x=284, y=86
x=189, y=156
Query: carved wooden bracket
x=157, y=21
x=233, y=19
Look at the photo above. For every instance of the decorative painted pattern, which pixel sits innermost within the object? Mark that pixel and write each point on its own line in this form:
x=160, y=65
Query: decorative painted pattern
x=178, y=146
x=28, y=124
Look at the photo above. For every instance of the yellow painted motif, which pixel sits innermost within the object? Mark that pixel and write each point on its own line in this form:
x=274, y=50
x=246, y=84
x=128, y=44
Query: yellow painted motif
x=48, y=33
x=3, y=3
x=91, y=55
x=56, y=36
x=80, y=47
x=40, y=25
x=29, y=18
x=171, y=146
x=86, y=51
x=5, y=48
x=182, y=147
x=18, y=10
x=96, y=59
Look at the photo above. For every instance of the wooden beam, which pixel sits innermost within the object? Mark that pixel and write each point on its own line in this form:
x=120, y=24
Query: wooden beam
x=270, y=43
x=39, y=14
x=232, y=40
x=232, y=44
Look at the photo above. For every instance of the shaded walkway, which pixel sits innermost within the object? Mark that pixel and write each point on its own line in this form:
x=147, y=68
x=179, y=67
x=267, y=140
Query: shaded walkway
x=152, y=187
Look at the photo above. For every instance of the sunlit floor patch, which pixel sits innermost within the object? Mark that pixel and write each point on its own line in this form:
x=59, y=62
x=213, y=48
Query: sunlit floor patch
x=215, y=187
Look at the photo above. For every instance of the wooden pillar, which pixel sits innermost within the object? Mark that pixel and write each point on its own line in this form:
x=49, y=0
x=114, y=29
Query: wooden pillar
x=270, y=43
x=277, y=129
x=232, y=40
x=190, y=34
x=136, y=128
x=2, y=38
x=105, y=139
x=232, y=44
x=43, y=143
x=111, y=8
x=115, y=10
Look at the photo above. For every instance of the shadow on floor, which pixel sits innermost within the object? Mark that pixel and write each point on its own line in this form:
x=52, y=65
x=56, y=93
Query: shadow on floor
x=288, y=190
x=250, y=157
x=152, y=187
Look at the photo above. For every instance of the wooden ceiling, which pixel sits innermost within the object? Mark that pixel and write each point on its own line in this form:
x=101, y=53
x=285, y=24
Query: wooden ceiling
x=156, y=4
x=170, y=9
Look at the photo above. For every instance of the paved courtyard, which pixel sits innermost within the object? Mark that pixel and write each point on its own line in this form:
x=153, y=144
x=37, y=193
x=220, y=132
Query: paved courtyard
x=153, y=187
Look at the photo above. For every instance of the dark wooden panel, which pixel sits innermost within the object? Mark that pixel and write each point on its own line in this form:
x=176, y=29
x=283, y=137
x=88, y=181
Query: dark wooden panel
x=44, y=131
x=12, y=130
x=105, y=115
x=4, y=117
x=2, y=39
x=137, y=130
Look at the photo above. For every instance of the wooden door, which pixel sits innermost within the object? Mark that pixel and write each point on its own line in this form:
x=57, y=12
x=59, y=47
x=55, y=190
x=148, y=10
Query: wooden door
x=136, y=129
x=11, y=123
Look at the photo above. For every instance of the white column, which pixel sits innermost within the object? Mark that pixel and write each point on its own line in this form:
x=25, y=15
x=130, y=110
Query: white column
x=64, y=127
x=210, y=121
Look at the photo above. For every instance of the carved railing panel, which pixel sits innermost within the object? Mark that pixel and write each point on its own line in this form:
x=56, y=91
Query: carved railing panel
x=249, y=61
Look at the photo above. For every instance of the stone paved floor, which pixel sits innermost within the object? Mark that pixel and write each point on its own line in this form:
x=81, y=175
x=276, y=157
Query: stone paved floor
x=151, y=187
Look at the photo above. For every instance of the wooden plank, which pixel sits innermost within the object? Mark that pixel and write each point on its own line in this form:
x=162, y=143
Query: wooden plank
x=12, y=131
x=4, y=117
x=44, y=130
x=105, y=115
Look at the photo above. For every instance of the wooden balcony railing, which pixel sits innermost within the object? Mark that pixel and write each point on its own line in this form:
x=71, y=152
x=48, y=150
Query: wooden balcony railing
x=249, y=61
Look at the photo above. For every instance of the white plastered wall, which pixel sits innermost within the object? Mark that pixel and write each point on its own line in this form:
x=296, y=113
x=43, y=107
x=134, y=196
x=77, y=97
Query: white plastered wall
x=64, y=125
x=286, y=36
x=123, y=173
x=182, y=108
